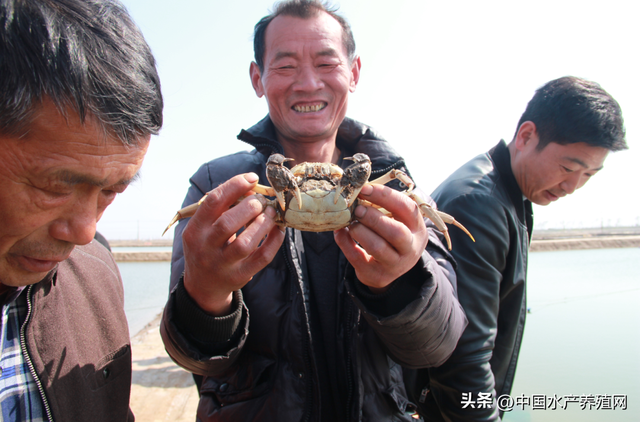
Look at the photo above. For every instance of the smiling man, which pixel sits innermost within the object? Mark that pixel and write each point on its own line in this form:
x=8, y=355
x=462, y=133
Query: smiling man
x=290, y=326
x=79, y=104
x=562, y=140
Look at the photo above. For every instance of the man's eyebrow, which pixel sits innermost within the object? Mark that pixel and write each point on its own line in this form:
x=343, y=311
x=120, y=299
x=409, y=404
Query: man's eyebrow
x=328, y=52
x=582, y=163
x=284, y=54
x=331, y=52
x=73, y=178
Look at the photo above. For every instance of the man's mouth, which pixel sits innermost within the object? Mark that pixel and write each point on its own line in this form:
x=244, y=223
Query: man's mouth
x=309, y=108
x=37, y=265
x=553, y=196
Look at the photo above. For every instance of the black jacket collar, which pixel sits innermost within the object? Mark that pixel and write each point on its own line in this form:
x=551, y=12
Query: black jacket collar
x=502, y=160
x=352, y=137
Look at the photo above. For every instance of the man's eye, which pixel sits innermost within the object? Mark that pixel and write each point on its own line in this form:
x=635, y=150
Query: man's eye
x=54, y=191
x=109, y=195
x=115, y=190
x=567, y=169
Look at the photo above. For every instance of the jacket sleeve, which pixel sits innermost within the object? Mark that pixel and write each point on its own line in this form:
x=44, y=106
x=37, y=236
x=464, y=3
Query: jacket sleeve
x=198, y=342
x=480, y=268
x=423, y=332
x=189, y=335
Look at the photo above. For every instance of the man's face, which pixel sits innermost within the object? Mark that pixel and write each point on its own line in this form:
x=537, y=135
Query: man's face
x=307, y=76
x=555, y=171
x=55, y=183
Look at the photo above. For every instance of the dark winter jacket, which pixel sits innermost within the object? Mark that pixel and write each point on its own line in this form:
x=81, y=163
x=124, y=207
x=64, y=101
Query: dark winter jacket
x=77, y=338
x=267, y=371
x=484, y=196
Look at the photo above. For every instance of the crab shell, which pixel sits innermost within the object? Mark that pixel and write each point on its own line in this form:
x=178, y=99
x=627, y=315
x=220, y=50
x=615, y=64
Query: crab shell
x=320, y=212
x=328, y=195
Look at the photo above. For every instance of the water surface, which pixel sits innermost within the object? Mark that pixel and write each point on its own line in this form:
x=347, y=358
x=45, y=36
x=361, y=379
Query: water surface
x=146, y=289
x=581, y=336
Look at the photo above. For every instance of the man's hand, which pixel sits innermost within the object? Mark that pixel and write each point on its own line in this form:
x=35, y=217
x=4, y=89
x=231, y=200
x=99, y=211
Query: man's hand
x=386, y=247
x=217, y=262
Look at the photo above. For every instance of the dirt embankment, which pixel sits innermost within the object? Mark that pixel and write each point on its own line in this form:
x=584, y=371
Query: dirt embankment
x=543, y=240
x=562, y=240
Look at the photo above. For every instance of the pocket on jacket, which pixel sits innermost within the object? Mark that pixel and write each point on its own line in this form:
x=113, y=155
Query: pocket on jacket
x=241, y=382
x=108, y=368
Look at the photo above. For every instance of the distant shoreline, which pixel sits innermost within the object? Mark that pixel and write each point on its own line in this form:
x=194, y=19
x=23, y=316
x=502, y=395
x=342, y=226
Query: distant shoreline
x=543, y=240
x=595, y=238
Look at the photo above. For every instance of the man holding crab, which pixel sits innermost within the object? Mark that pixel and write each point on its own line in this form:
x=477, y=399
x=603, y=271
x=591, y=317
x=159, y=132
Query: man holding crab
x=290, y=325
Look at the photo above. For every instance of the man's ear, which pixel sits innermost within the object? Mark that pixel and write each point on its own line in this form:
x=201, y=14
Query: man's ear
x=355, y=73
x=256, y=79
x=527, y=136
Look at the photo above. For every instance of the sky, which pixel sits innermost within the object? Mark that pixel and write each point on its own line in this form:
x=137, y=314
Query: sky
x=441, y=81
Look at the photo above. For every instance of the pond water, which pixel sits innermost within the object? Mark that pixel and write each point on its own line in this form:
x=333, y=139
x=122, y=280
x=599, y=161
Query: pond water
x=146, y=288
x=581, y=343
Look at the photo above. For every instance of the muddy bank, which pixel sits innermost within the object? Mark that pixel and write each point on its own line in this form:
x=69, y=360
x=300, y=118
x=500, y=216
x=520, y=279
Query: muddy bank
x=160, y=390
x=597, y=238
x=543, y=240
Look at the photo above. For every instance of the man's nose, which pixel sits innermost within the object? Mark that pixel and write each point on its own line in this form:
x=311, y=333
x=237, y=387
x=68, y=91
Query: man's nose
x=308, y=79
x=572, y=183
x=77, y=225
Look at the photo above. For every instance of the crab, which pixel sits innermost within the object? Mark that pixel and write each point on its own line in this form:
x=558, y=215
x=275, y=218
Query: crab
x=320, y=197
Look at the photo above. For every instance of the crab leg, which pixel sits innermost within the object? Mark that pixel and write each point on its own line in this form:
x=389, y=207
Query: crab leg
x=190, y=210
x=439, y=218
x=394, y=174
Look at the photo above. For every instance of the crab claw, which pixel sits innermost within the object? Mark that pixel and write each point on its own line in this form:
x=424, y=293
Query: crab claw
x=298, y=196
x=354, y=178
x=282, y=202
x=339, y=190
x=281, y=179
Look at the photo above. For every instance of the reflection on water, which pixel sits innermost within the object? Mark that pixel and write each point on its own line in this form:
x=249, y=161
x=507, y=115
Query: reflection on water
x=581, y=337
x=146, y=288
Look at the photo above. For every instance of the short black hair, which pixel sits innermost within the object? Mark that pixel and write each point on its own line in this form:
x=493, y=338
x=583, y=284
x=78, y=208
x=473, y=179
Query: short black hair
x=569, y=110
x=303, y=9
x=85, y=55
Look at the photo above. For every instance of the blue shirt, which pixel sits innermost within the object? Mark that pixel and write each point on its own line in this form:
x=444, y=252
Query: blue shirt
x=20, y=398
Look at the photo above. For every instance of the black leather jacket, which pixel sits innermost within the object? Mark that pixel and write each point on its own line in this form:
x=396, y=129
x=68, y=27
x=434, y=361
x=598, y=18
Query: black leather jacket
x=484, y=196
x=267, y=372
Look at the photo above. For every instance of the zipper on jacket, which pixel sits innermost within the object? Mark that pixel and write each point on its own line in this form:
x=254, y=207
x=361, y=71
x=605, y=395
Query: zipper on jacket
x=275, y=148
x=307, y=358
x=306, y=416
x=396, y=165
x=27, y=358
x=349, y=369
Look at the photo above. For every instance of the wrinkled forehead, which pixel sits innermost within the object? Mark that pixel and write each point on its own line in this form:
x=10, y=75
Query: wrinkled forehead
x=46, y=110
x=286, y=32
